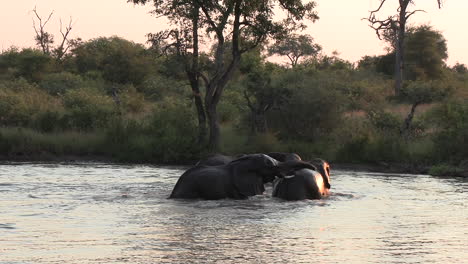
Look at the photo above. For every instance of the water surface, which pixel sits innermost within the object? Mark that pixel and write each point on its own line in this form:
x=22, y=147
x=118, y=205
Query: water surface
x=100, y=213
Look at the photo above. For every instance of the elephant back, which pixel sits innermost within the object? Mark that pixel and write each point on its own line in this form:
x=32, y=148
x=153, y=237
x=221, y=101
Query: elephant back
x=284, y=156
x=215, y=160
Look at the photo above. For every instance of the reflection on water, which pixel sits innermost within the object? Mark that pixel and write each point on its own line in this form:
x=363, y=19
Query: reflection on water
x=98, y=213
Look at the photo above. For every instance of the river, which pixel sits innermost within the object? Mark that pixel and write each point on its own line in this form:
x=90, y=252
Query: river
x=103, y=213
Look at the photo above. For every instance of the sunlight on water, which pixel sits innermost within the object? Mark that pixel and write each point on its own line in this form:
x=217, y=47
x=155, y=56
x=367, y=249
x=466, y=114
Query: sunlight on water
x=98, y=213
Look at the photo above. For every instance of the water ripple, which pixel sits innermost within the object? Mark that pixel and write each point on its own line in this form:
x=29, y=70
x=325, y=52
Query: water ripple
x=103, y=213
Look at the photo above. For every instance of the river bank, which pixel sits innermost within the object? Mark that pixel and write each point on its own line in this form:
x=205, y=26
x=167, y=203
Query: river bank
x=382, y=167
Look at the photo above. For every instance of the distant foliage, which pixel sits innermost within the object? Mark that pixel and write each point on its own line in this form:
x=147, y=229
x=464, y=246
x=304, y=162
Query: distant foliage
x=119, y=60
x=88, y=109
x=60, y=83
x=116, y=99
x=22, y=103
x=452, y=136
x=313, y=109
x=29, y=64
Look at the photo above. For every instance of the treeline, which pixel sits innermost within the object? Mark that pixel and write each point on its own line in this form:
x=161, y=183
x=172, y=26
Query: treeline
x=115, y=99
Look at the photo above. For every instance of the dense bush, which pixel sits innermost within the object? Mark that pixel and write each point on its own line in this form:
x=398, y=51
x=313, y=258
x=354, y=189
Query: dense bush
x=173, y=129
x=118, y=60
x=313, y=109
x=60, y=83
x=22, y=103
x=114, y=98
x=87, y=109
x=451, y=139
x=30, y=64
x=166, y=135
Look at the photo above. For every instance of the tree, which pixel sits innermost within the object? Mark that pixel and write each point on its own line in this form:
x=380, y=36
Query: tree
x=295, y=47
x=460, y=68
x=118, y=60
x=426, y=52
x=383, y=63
x=45, y=40
x=184, y=41
x=242, y=24
x=393, y=30
x=28, y=63
x=421, y=92
x=260, y=94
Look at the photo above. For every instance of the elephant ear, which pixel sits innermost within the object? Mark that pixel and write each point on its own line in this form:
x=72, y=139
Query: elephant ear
x=248, y=172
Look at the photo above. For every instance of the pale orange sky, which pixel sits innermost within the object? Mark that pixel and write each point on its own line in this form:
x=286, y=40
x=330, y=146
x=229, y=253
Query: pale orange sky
x=339, y=28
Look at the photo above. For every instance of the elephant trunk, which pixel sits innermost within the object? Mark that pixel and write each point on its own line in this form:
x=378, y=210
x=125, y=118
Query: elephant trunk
x=324, y=170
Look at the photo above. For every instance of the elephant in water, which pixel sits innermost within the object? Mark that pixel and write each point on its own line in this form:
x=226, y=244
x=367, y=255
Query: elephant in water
x=220, y=159
x=216, y=159
x=238, y=179
x=305, y=183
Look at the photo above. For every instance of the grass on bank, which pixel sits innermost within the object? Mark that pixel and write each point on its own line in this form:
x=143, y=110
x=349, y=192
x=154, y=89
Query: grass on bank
x=25, y=142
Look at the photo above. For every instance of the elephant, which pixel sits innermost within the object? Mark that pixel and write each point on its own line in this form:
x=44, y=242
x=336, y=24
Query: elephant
x=239, y=179
x=216, y=159
x=220, y=159
x=305, y=183
x=284, y=156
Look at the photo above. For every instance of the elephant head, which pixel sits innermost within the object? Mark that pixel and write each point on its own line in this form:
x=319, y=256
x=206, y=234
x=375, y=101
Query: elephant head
x=309, y=183
x=250, y=172
x=324, y=169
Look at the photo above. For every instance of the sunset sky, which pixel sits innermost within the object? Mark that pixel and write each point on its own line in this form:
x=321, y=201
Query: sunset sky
x=339, y=28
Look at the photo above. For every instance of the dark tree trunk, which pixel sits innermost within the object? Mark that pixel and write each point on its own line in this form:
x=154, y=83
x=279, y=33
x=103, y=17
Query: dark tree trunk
x=193, y=73
x=259, y=122
x=400, y=48
x=222, y=75
x=214, y=140
x=407, y=124
x=200, y=112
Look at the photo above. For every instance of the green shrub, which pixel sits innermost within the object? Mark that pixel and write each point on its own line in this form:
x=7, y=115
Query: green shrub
x=168, y=135
x=132, y=101
x=59, y=83
x=49, y=121
x=451, y=135
x=313, y=109
x=22, y=103
x=233, y=140
x=174, y=130
x=445, y=170
x=88, y=109
x=354, y=150
x=263, y=143
x=32, y=144
x=156, y=87
x=28, y=63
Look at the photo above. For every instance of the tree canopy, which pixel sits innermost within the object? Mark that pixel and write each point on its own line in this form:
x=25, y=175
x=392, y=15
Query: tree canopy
x=243, y=25
x=295, y=47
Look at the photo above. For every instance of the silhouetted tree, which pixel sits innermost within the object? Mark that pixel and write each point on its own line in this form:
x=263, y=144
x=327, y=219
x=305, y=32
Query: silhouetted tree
x=393, y=29
x=45, y=40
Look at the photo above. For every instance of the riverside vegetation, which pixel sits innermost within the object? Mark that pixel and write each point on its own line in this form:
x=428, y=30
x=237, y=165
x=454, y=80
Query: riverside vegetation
x=112, y=99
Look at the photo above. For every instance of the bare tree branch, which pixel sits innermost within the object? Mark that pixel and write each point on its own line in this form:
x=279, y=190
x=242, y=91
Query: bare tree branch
x=43, y=38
